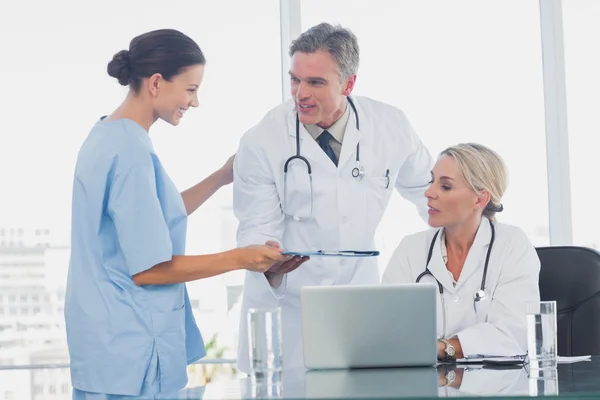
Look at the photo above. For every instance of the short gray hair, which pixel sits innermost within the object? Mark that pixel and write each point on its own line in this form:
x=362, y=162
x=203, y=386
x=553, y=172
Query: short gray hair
x=340, y=42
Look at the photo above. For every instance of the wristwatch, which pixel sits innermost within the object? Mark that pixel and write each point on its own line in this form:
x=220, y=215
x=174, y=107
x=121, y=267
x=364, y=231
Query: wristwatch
x=450, y=377
x=449, y=350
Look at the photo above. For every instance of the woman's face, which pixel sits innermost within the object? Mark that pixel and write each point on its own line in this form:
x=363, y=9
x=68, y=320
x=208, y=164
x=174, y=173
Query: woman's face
x=450, y=199
x=173, y=98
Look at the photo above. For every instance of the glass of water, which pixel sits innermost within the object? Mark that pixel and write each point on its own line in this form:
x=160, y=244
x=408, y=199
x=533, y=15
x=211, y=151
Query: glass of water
x=541, y=334
x=265, y=342
x=543, y=382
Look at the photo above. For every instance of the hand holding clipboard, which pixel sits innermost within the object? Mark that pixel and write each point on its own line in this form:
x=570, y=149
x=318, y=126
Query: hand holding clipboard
x=335, y=253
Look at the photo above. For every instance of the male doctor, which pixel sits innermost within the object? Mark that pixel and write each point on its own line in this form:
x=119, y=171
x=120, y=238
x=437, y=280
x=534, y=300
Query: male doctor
x=317, y=173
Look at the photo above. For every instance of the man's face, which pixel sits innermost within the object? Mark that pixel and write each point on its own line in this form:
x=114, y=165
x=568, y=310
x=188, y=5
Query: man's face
x=318, y=89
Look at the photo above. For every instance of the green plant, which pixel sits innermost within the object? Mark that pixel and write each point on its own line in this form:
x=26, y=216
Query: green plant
x=215, y=351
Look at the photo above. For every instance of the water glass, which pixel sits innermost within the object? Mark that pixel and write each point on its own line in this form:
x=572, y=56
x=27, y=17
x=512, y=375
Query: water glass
x=543, y=382
x=541, y=334
x=264, y=386
x=265, y=342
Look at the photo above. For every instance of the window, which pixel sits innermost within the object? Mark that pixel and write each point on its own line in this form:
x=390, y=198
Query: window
x=460, y=75
x=582, y=63
x=242, y=82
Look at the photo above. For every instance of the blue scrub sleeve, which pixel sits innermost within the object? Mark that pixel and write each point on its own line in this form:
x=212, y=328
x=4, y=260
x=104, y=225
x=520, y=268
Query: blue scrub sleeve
x=136, y=211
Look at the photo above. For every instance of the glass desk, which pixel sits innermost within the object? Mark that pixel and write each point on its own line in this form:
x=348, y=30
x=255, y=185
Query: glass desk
x=570, y=381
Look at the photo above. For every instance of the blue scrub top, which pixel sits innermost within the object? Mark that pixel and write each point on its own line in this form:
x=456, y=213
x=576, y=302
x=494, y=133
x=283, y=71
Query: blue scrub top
x=127, y=217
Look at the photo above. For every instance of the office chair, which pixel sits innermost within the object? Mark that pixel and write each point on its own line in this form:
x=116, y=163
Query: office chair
x=571, y=276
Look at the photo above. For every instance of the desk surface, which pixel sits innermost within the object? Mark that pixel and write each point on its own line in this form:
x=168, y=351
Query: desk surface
x=569, y=381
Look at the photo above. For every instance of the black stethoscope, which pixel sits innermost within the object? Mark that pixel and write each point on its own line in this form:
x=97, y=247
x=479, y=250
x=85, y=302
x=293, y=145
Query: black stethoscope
x=358, y=172
x=480, y=294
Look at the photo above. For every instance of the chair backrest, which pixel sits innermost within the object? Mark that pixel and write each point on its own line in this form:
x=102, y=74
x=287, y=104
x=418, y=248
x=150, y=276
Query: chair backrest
x=571, y=276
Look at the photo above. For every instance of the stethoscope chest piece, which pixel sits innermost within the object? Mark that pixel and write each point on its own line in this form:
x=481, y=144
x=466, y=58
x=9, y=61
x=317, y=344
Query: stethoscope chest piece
x=358, y=172
x=479, y=295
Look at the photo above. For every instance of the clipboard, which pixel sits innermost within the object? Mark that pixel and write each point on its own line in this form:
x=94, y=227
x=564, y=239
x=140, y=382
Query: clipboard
x=336, y=253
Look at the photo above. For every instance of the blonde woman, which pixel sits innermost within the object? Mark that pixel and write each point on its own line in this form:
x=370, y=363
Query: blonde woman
x=485, y=271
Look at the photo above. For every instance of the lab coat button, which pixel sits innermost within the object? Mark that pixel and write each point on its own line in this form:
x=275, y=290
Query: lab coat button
x=456, y=299
x=344, y=220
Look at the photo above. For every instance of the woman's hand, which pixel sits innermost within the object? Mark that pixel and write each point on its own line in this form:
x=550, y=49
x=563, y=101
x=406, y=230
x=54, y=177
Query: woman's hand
x=260, y=258
x=226, y=172
x=277, y=271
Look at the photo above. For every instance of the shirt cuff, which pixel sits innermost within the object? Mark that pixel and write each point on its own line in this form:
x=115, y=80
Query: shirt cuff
x=278, y=292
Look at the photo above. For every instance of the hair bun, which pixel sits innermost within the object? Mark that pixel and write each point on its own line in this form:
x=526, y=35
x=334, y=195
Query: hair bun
x=120, y=67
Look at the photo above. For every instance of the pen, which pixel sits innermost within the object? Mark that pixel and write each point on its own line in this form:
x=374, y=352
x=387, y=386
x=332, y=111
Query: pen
x=387, y=175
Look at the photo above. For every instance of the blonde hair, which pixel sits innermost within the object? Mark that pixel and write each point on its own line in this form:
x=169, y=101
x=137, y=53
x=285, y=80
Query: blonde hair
x=483, y=169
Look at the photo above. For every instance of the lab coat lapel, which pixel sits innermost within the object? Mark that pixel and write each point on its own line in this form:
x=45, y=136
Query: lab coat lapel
x=352, y=137
x=438, y=268
x=309, y=148
x=476, y=257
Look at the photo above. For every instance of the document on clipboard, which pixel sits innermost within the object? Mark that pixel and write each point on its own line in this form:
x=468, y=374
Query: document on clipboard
x=334, y=253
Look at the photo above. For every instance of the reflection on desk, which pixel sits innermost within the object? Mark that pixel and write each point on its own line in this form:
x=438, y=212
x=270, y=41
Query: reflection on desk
x=573, y=381
x=371, y=383
x=478, y=380
x=456, y=381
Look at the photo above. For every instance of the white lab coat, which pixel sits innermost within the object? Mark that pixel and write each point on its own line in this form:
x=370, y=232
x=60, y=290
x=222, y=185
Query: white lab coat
x=498, y=327
x=345, y=214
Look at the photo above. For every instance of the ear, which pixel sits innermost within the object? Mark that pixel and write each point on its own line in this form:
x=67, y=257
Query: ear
x=483, y=199
x=349, y=85
x=154, y=83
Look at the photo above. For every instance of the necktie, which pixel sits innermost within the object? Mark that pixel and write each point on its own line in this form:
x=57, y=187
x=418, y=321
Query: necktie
x=323, y=140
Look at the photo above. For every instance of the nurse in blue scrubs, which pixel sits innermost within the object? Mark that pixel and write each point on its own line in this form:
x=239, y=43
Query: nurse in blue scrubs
x=130, y=328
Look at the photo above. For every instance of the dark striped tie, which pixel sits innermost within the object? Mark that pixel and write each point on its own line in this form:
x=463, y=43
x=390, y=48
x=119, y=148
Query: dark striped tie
x=324, y=140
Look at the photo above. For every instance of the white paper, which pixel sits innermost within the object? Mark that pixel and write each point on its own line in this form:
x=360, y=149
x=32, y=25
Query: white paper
x=491, y=359
x=569, y=360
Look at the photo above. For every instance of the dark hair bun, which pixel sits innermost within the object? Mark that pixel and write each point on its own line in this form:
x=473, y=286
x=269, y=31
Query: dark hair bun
x=119, y=67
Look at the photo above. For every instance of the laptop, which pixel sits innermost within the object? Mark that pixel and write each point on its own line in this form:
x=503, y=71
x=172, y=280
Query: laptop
x=369, y=326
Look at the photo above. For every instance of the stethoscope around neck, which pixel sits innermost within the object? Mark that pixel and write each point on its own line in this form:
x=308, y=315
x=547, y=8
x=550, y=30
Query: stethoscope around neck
x=479, y=295
x=358, y=172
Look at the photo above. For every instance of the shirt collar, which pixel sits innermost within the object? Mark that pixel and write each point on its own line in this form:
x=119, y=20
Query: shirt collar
x=337, y=130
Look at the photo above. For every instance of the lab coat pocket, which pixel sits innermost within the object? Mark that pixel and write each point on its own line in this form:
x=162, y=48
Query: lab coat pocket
x=481, y=310
x=169, y=335
x=378, y=193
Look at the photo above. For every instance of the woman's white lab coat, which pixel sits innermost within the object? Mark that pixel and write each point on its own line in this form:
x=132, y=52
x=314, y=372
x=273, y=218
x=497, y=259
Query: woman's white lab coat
x=498, y=327
x=345, y=211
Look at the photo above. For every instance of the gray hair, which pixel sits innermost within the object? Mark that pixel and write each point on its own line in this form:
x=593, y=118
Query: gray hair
x=340, y=42
x=483, y=169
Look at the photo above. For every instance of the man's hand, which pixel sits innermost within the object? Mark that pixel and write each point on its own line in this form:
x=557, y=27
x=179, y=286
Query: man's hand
x=275, y=274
